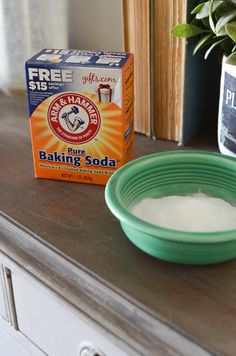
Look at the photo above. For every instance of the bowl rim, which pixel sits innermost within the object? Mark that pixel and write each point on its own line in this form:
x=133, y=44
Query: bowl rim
x=125, y=216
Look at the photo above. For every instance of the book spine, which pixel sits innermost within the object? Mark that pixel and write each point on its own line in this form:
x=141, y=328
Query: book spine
x=168, y=69
x=136, y=25
x=128, y=108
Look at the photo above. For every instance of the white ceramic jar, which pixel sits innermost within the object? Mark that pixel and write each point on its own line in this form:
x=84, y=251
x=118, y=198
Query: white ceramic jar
x=227, y=110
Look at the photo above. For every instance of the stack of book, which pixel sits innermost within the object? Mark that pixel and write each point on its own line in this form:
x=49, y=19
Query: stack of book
x=176, y=93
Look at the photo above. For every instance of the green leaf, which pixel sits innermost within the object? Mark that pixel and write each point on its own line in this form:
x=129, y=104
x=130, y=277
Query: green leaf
x=202, y=10
x=215, y=44
x=214, y=24
x=186, y=30
x=203, y=41
x=224, y=20
x=222, y=32
x=231, y=30
x=231, y=59
x=224, y=9
x=211, y=21
x=198, y=8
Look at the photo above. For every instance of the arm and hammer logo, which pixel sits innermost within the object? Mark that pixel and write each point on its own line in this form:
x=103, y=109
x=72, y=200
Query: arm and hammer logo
x=74, y=118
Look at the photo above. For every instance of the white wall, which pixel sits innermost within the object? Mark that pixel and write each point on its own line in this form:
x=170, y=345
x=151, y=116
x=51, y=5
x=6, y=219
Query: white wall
x=95, y=25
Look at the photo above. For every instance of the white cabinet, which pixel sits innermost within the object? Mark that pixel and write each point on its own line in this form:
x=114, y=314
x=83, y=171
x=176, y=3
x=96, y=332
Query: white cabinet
x=3, y=310
x=13, y=343
x=9, y=346
x=35, y=321
x=53, y=325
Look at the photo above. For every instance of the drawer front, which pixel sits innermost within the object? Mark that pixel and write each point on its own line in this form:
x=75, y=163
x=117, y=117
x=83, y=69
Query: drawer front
x=51, y=324
x=10, y=347
x=3, y=308
x=13, y=343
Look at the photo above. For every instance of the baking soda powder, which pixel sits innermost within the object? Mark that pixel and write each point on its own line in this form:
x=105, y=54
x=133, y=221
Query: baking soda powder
x=196, y=213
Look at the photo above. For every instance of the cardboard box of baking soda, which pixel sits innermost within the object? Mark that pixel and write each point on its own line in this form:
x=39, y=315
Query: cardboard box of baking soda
x=81, y=113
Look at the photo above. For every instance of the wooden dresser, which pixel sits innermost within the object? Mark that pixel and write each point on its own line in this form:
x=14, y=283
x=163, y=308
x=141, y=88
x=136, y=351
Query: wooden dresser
x=72, y=284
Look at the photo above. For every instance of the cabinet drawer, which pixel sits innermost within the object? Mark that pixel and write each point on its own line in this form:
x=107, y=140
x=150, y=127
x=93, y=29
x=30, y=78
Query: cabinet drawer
x=51, y=324
x=10, y=347
x=13, y=343
x=3, y=308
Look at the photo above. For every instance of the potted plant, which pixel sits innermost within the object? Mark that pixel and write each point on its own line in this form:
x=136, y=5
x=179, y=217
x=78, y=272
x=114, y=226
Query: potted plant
x=214, y=25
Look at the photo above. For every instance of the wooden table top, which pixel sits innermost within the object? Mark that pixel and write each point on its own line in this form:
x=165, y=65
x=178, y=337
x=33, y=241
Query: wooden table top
x=198, y=303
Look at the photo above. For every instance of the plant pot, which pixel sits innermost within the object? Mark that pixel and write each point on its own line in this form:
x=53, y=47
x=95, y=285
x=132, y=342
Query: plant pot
x=227, y=110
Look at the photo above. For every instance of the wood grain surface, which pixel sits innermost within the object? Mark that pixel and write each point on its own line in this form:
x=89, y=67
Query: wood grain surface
x=72, y=218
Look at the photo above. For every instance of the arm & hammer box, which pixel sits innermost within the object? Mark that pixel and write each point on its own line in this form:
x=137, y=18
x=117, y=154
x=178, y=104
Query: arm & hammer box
x=81, y=113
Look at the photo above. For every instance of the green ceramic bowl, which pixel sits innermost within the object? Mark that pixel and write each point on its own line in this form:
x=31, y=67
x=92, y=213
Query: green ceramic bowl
x=174, y=173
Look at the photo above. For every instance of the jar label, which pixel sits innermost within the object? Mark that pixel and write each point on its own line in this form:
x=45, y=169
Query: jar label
x=228, y=113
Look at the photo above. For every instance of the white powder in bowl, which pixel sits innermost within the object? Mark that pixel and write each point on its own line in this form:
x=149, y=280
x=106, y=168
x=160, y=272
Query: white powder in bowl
x=196, y=213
